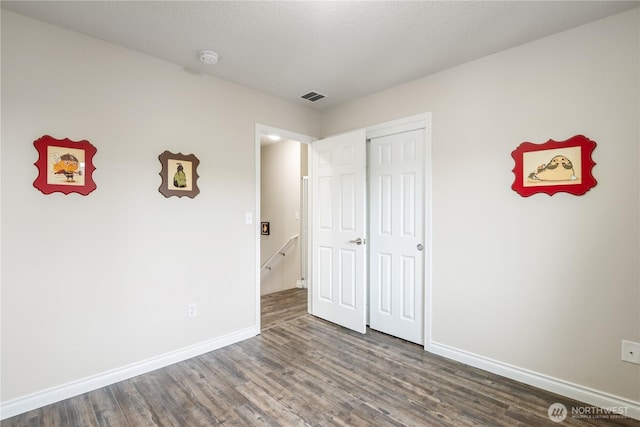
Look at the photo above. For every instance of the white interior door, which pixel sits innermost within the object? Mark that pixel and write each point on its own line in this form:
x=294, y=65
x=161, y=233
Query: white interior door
x=338, y=266
x=396, y=234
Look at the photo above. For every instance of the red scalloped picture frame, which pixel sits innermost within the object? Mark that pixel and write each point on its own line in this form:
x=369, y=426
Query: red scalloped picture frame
x=554, y=166
x=64, y=166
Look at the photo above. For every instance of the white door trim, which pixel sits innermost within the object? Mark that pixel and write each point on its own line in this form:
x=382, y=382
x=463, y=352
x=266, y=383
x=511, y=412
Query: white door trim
x=419, y=121
x=260, y=130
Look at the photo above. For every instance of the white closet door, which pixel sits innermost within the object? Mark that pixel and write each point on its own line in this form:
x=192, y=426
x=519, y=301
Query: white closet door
x=396, y=234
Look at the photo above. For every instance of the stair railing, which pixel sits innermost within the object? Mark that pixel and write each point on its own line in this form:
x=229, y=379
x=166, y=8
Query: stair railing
x=281, y=251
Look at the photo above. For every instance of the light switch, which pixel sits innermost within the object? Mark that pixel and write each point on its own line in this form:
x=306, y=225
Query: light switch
x=248, y=218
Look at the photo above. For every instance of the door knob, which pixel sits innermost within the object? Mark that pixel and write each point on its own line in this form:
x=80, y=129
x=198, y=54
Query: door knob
x=420, y=247
x=358, y=241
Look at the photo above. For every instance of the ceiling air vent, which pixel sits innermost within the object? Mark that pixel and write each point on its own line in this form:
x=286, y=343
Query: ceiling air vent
x=313, y=96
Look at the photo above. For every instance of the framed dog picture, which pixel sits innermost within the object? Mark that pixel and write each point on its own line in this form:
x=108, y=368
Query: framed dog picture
x=555, y=166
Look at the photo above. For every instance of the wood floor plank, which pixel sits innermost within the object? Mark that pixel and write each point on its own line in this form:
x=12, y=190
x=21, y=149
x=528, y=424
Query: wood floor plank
x=53, y=415
x=282, y=307
x=303, y=371
x=80, y=411
x=106, y=408
x=209, y=404
x=134, y=406
x=271, y=400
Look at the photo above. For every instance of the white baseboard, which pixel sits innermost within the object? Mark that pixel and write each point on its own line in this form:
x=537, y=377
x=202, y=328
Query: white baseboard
x=74, y=388
x=554, y=385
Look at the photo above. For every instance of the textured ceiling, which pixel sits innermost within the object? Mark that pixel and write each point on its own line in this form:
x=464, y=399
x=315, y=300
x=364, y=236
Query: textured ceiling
x=344, y=49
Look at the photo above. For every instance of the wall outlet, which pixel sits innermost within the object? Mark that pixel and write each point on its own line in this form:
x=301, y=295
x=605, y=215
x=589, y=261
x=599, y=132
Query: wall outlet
x=631, y=352
x=192, y=310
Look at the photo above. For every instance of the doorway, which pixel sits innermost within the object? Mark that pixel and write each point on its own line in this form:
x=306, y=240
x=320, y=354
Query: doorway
x=281, y=162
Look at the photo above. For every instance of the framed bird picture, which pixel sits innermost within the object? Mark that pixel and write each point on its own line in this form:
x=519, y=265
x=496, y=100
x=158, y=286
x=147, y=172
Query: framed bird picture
x=64, y=166
x=179, y=175
x=554, y=166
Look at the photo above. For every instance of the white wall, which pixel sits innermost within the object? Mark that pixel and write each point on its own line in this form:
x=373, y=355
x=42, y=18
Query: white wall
x=92, y=284
x=546, y=284
x=280, y=200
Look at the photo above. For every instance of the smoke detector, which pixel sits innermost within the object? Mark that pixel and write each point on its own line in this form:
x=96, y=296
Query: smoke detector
x=208, y=57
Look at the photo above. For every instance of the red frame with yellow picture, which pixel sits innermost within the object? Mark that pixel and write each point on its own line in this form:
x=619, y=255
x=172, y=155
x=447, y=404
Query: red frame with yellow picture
x=555, y=166
x=64, y=166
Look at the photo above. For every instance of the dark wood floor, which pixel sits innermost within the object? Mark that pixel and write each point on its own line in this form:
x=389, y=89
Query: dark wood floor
x=282, y=307
x=302, y=371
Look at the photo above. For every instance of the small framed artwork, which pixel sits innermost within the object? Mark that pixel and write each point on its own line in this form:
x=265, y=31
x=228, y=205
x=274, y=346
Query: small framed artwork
x=264, y=228
x=554, y=166
x=64, y=166
x=179, y=175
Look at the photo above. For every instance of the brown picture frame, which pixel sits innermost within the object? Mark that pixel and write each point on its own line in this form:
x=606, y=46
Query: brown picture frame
x=179, y=175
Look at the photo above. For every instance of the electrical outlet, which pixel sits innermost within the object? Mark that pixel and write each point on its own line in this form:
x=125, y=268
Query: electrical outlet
x=631, y=352
x=192, y=310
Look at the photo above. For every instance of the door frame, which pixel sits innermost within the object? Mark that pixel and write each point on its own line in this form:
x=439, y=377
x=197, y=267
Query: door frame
x=418, y=121
x=260, y=130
